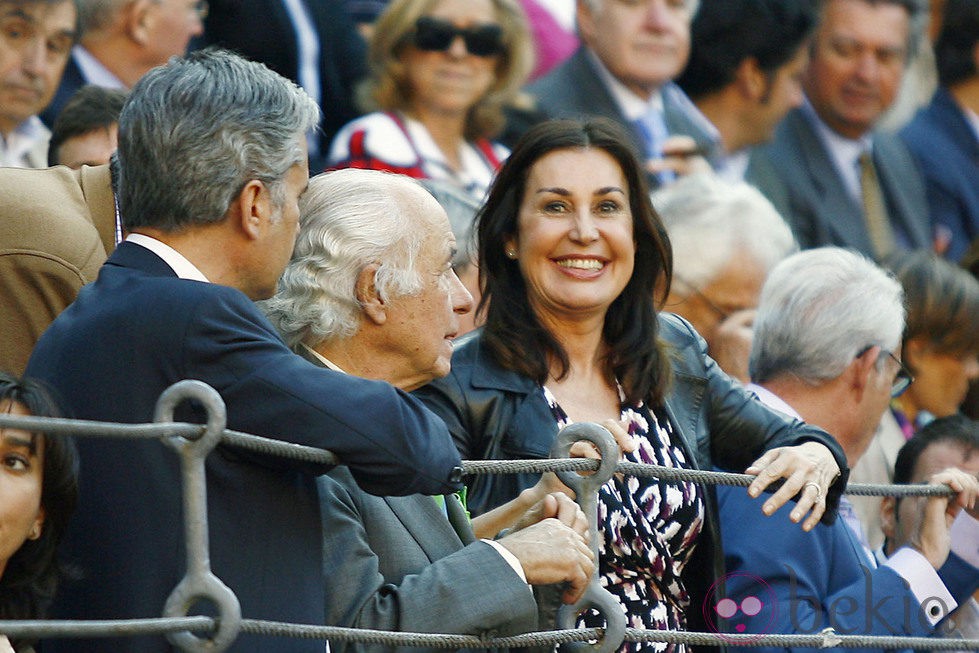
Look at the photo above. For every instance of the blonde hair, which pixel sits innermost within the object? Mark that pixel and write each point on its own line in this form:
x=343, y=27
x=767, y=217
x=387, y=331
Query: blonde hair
x=388, y=88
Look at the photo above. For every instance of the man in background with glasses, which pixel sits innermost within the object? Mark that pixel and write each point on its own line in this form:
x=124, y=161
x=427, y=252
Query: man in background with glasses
x=827, y=350
x=726, y=238
x=121, y=40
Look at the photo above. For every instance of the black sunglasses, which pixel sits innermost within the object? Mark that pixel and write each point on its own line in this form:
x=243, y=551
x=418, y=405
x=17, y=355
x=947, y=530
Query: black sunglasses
x=436, y=35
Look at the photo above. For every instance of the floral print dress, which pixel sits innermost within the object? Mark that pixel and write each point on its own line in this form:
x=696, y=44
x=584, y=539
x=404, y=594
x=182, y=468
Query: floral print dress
x=648, y=529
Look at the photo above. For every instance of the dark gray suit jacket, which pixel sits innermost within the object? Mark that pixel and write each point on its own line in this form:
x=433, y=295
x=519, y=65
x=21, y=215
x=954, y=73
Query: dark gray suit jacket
x=575, y=90
x=802, y=182
x=396, y=563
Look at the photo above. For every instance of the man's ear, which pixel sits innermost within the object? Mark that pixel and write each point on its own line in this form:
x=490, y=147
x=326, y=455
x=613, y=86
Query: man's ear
x=139, y=17
x=751, y=80
x=861, y=371
x=888, y=519
x=252, y=208
x=368, y=297
x=912, y=352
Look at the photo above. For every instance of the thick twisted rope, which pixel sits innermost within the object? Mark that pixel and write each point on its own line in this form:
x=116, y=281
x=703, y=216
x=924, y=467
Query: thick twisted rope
x=257, y=444
x=204, y=625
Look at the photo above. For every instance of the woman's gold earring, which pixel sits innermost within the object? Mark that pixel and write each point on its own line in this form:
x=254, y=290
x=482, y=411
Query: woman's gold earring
x=511, y=253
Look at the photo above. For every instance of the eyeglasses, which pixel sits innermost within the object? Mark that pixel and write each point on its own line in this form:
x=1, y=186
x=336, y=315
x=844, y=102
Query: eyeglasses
x=722, y=314
x=437, y=35
x=904, y=377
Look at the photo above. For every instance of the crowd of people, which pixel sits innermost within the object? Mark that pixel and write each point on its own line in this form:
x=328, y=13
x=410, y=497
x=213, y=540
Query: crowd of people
x=416, y=232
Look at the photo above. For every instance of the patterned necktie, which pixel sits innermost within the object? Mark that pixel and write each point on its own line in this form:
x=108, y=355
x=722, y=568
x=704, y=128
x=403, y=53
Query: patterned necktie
x=874, y=209
x=652, y=127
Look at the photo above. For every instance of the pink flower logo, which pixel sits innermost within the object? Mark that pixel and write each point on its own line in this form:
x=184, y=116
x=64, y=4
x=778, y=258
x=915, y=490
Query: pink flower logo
x=760, y=605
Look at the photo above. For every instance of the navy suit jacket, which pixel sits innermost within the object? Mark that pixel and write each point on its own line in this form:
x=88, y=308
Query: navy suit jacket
x=134, y=332
x=806, y=188
x=947, y=150
x=71, y=81
x=818, y=579
x=261, y=30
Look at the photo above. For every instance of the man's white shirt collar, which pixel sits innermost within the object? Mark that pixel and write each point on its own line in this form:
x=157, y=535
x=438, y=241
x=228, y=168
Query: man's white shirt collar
x=321, y=358
x=93, y=71
x=772, y=400
x=973, y=119
x=845, y=152
x=177, y=262
x=18, y=144
x=632, y=106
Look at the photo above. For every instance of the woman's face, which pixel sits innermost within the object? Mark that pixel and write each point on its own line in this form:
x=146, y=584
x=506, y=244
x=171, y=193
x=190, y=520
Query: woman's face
x=21, y=474
x=574, y=239
x=452, y=81
x=941, y=380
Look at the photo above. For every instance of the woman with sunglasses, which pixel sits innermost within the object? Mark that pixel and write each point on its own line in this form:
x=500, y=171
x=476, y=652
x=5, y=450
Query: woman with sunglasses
x=441, y=72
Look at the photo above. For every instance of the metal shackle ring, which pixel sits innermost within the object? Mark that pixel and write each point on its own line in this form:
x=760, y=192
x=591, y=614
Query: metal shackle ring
x=208, y=397
x=208, y=587
x=607, y=447
x=598, y=598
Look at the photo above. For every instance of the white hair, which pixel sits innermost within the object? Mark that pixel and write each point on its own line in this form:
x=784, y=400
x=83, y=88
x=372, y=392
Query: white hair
x=349, y=219
x=818, y=309
x=709, y=220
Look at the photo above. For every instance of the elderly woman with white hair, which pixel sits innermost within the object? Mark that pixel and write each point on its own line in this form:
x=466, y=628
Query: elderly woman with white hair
x=726, y=238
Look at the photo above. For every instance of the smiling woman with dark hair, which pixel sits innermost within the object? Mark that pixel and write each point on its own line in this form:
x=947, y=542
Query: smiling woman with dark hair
x=38, y=492
x=573, y=258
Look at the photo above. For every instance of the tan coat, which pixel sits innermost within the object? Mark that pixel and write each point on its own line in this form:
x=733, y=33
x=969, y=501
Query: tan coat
x=56, y=226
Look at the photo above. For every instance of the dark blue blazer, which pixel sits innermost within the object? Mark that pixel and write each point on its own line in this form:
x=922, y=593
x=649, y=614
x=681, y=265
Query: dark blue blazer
x=947, y=150
x=818, y=579
x=134, y=332
x=71, y=81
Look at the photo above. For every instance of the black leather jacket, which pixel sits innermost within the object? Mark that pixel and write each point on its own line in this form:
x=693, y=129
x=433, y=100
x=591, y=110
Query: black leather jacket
x=496, y=414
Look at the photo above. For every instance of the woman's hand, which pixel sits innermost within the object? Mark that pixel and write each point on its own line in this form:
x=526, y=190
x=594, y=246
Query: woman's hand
x=489, y=524
x=809, y=470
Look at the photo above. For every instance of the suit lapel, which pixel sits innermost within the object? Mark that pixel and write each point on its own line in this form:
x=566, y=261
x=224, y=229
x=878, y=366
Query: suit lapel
x=422, y=517
x=458, y=518
x=841, y=215
x=950, y=119
x=586, y=84
x=892, y=161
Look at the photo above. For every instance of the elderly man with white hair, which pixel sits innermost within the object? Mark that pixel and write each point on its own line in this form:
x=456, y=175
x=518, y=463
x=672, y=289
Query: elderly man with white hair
x=371, y=291
x=726, y=238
